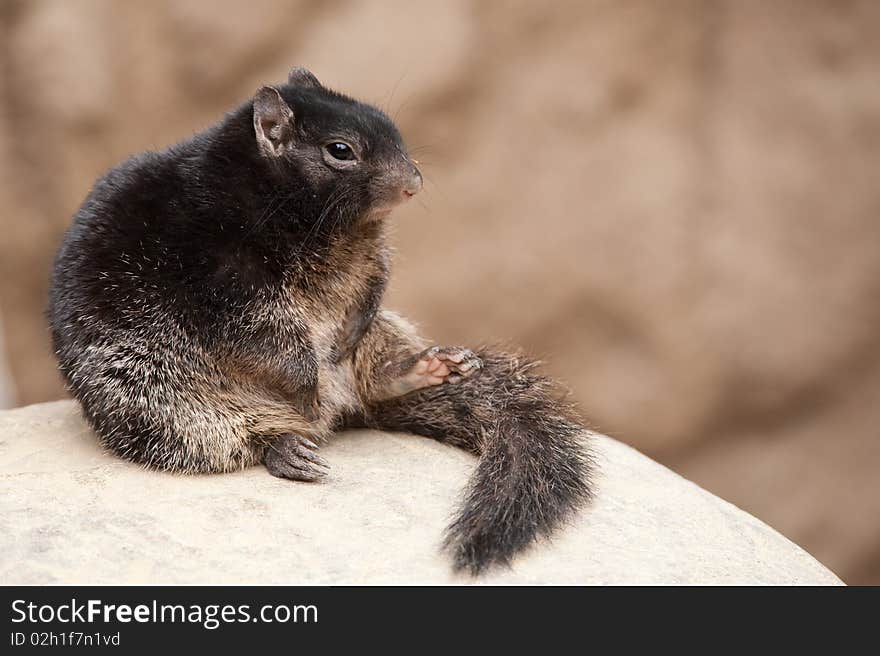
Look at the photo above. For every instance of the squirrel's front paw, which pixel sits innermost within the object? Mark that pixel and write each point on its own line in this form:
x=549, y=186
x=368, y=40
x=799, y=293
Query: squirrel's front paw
x=445, y=364
x=294, y=457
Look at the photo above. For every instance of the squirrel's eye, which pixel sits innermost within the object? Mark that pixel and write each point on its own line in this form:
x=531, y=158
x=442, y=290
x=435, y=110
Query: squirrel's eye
x=339, y=150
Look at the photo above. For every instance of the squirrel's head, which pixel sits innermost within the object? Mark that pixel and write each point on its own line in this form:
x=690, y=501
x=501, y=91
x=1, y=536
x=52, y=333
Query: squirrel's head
x=349, y=154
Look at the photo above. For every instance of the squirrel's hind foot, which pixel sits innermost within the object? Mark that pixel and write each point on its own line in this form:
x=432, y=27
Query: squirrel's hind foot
x=435, y=366
x=293, y=456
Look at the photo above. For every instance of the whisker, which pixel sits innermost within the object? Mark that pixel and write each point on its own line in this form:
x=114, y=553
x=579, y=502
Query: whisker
x=394, y=90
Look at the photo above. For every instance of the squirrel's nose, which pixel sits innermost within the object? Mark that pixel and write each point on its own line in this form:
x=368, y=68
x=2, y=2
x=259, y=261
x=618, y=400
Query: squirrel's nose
x=414, y=185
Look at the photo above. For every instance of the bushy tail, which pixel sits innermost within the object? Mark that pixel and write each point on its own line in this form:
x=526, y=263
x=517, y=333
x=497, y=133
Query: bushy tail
x=534, y=464
x=532, y=475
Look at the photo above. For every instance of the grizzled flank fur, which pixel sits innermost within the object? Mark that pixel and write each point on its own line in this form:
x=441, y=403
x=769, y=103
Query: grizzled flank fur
x=218, y=305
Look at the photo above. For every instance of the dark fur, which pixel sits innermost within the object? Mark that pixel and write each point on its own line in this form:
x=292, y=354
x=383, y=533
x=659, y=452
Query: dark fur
x=218, y=304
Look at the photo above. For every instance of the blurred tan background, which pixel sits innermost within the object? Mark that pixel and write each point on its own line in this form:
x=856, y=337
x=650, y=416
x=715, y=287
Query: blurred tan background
x=676, y=204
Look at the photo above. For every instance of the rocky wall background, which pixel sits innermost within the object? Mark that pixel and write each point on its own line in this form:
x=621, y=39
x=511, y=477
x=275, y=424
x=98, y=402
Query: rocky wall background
x=677, y=204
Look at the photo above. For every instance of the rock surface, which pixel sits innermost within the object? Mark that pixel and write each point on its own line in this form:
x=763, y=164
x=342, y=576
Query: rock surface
x=71, y=513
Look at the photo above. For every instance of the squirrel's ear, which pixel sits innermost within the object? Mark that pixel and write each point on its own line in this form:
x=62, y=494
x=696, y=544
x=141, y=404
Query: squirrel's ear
x=302, y=77
x=272, y=122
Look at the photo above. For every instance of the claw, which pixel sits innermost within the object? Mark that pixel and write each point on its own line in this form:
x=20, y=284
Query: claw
x=303, y=474
x=311, y=456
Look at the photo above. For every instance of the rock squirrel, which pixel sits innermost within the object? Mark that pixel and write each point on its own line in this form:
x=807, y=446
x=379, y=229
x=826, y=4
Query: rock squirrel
x=218, y=304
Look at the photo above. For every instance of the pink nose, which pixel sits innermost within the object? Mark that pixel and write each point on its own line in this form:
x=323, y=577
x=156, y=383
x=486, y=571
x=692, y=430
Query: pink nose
x=414, y=186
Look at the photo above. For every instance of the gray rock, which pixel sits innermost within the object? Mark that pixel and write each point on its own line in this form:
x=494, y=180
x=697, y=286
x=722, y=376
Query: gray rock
x=71, y=513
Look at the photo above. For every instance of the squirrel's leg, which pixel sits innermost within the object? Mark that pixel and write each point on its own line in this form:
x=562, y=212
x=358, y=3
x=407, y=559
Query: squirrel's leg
x=392, y=360
x=281, y=360
x=394, y=369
